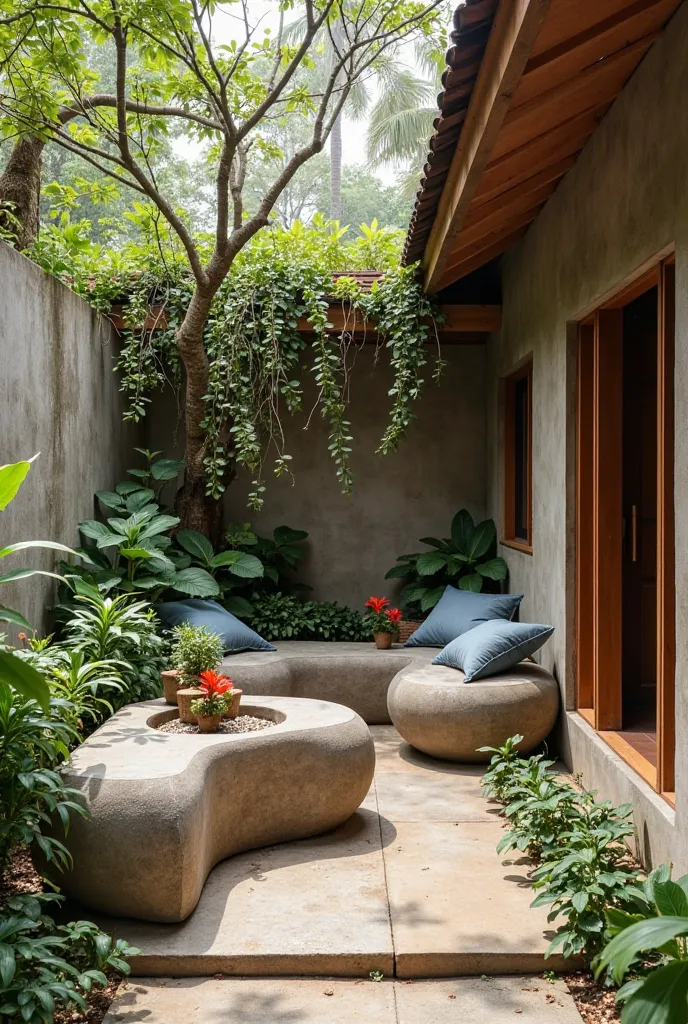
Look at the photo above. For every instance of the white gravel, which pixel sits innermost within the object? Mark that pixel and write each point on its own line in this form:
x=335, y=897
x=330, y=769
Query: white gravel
x=244, y=723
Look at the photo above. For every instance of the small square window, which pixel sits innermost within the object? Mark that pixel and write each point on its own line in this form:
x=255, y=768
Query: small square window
x=518, y=440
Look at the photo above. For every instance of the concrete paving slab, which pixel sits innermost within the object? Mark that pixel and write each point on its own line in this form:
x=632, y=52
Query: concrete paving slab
x=403, y=796
x=488, y=1001
x=334, y=1001
x=393, y=754
x=313, y=907
x=456, y=907
x=251, y=1001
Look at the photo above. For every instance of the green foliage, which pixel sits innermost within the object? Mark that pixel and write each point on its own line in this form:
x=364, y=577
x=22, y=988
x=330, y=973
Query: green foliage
x=229, y=569
x=195, y=649
x=652, y=945
x=285, y=617
x=279, y=554
x=214, y=704
x=46, y=967
x=31, y=789
x=466, y=559
x=77, y=684
x=583, y=872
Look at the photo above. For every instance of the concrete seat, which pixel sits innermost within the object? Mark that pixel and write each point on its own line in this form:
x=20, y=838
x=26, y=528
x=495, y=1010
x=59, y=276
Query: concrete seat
x=164, y=808
x=438, y=712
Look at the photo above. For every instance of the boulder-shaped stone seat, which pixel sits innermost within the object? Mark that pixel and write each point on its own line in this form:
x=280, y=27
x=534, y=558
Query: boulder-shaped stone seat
x=438, y=712
x=164, y=808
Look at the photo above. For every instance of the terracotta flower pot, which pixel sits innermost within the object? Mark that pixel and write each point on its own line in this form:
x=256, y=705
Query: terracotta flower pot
x=233, y=709
x=208, y=723
x=383, y=641
x=172, y=680
x=184, y=698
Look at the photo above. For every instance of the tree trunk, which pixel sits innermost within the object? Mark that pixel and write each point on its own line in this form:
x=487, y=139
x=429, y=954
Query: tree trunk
x=194, y=507
x=20, y=186
x=336, y=209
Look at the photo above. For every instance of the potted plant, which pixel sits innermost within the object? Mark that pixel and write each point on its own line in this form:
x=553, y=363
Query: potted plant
x=195, y=649
x=224, y=686
x=209, y=711
x=383, y=622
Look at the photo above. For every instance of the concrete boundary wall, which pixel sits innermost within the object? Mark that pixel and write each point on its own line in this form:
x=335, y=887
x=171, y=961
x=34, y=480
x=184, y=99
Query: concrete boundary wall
x=59, y=397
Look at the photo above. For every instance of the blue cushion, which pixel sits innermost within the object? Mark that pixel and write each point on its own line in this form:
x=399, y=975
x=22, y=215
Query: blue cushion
x=237, y=636
x=492, y=647
x=458, y=611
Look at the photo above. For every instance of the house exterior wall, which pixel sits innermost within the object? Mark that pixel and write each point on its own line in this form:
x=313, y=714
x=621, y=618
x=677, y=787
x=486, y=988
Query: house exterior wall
x=396, y=499
x=624, y=202
x=60, y=398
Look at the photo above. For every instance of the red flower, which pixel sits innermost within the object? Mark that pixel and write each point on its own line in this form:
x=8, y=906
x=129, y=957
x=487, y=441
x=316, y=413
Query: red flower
x=377, y=604
x=215, y=685
x=393, y=614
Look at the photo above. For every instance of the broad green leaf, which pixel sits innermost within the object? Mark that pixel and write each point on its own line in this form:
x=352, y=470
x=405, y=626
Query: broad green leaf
x=158, y=525
x=24, y=545
x=127, y=487
x=430, y=597
x=239, y=606
x=166, y=469
x=195, y=582
x=461, y=530
x=494, y=569
x=239, y=564
x=139, y=499
x=580, y=901
x=111, y=500
x=474, y=583
x=430, y=562
x=398, y=572
x=135, y=553
x=285, y=535
x=11, y=478
x=671, y=899
x=92, y=529
x=10, y=615
x=196, y=544
x=481, y=540
x=661, y=999
x=23, y=574
x=24, y=678
x=645, y=935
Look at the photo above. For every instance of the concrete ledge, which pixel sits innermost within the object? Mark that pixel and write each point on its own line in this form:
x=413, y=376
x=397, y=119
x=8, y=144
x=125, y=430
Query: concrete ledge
x=438, y=712
x=165, y=808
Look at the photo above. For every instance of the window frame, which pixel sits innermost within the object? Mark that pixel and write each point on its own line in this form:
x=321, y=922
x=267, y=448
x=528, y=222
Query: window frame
x=509, y=539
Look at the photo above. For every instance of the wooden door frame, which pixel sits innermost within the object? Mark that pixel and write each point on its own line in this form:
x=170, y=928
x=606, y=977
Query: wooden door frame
x=599, y=521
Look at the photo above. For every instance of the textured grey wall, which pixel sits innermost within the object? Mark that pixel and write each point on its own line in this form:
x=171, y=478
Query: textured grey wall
x=396, y=499
x=60, y=398
x=623, y=202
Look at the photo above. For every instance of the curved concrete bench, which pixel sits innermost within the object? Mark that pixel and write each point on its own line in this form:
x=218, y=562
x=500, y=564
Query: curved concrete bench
x=165, y=807
x=437, y=711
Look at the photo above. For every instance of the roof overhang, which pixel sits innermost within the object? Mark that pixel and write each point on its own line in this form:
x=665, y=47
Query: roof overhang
x=514, y=115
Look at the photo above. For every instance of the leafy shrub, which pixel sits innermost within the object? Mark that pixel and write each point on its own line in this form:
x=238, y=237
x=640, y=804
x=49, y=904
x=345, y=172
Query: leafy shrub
x=195, y=649
x=583, y=870
x=284, y=617
x=76, y=683
x=465, y=560
x=231, y=570
x=44, y=967
x=653, y=944
x=31, y=790
x=280, y=555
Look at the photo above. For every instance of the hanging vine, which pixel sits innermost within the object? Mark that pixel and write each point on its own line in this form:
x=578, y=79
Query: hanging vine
x=255, y=348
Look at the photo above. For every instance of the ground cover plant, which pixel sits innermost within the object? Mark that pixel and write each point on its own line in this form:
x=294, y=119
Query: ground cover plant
x=172, y=74
x=619, y=922
x=467, y=560
x=285, y=617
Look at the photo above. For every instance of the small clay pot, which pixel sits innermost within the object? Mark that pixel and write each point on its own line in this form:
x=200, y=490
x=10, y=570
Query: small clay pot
x=233, y=709
x=208, y=723
x=172, y=680
x=184, y=698
x=383, y=641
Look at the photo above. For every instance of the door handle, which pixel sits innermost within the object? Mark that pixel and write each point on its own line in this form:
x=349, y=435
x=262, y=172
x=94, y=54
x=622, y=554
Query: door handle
x=634, y=533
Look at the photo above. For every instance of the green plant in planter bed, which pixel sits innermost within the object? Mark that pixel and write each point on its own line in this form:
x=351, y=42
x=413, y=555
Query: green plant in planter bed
x=466, y=560
x=280, y=555
x=195, y=649
x=284, y=617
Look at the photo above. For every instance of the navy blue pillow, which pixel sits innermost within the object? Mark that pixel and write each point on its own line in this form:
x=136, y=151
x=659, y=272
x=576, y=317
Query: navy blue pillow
x=492, y=647
x=457, y=611
x=236, y=635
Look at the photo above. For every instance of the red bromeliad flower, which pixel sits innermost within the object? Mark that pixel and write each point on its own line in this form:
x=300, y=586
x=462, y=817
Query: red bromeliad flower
x=394, y=615
x=215, y=685
x=377, y=604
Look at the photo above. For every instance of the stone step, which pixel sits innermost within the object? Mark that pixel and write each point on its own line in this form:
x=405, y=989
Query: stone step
x=334, y=1001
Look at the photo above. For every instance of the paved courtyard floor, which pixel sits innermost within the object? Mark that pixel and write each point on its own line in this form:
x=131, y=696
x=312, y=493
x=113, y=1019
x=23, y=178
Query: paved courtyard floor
x=411, y=886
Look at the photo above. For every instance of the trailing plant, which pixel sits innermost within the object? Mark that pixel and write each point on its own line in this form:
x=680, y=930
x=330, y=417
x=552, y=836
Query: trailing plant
x=195, y=649
x=652, y=945
x=280, y=555
x=46, y=967
x=32, y=790
x=285, y=617
x=382, y=618
x=466, y=560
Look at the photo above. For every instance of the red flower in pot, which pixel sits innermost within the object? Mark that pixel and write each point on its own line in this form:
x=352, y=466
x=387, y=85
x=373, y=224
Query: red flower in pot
x=215, y=685
x=383, y=621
